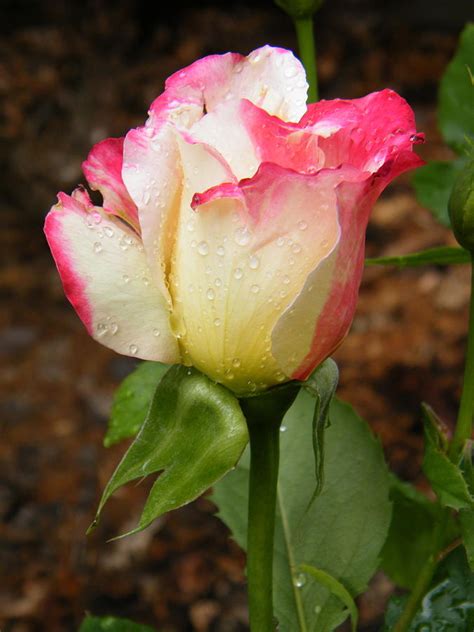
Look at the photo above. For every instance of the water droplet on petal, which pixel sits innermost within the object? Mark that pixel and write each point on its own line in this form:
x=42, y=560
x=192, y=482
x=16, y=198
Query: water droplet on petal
x=125, y=278
x=254, y=262
x=286, y=279
x=302, y=225
x=97, y=217
x=236, y=363
x=191, y=225
x=97, y=247
x=203, y=248
x=133, y=349
x=296, y=248
x=283, y=428
x=217, y=322
x=280, y=241
x=317, y=609
x=211, y=295
x=156, y=333
x=255, y=289
x=242, y=236
x=102, y=329
x=114, y=328
x=324, y=243
x=109, y=231
x=220, y=251
x=218, y=282
x=238, y=273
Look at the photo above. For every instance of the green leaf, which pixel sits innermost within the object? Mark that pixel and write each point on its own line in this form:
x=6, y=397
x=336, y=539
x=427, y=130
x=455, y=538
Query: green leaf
x=132, y=401
x=446, y=477
x=448, y=606
x=193, y=434
x=341, y=532
x=444, y=255
x=322, y=384
x=336, y=589
x=466, y=520
x=112, y=624
x=456, y=94
x=433, y=183
x=410, y=539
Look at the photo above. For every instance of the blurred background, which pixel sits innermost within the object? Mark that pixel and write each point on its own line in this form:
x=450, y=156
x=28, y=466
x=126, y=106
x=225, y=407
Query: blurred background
x=72, y=73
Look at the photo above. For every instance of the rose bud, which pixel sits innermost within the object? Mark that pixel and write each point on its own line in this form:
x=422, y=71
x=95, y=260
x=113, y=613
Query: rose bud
x=231, y=235
x=461, y=207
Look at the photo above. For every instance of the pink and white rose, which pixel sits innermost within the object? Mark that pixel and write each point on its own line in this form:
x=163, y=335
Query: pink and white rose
x=231, y=235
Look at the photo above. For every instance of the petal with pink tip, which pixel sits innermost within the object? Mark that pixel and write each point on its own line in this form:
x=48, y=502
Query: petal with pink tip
x=103, y=170
x=272, y=78
x=106, y=278
x=366, y=132
x=259, y=251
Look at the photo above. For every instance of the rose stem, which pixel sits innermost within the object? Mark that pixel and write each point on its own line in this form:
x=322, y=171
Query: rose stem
x=307, y=48
x=264, y=460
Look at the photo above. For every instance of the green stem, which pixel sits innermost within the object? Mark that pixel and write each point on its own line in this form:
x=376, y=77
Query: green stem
x=305, y=35
x=462, y=433
x=264, y=460
x=463, y=429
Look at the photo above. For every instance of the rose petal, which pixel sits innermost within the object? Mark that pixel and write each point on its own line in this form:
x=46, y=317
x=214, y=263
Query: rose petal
x=261, y=237
x=106, y=278
x=366, y=132
x=272, y=78
x=103, y=170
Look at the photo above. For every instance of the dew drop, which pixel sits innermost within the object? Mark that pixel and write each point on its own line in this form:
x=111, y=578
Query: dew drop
x=299, y=580
x=114, y=328
x=97, y=218
x=191, y=225
x=102, y=329
x=109, y=231
x=302, y=225
x=211, y=295
x=324, y=243
x=255, y=289
x=238, y=273
x=125, y=278
x=296, y=248
x=218, y=282
x=146, y=197
x=254, y=262
x=317, y=609
x=217, y=322
x=203, y=248
x=97, y=247
x=146, y=281
x=283, y=428
x=236, y=363
x=242, y=236
x=156, y=333
x=286, y=279
x=133, y=349
x=220, y=251
x=280, y=241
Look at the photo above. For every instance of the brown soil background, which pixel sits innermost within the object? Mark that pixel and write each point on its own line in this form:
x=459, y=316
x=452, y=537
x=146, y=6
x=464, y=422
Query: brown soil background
x=70, y=75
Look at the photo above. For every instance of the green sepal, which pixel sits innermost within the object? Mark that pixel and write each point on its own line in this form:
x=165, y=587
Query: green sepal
x=112, y=624
x=410, y=540
x=132, y=401
x=461, y=205
x=444, y=255
x=336, y=588
x=446, y=477
x=322, y=384
x=193, y=434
